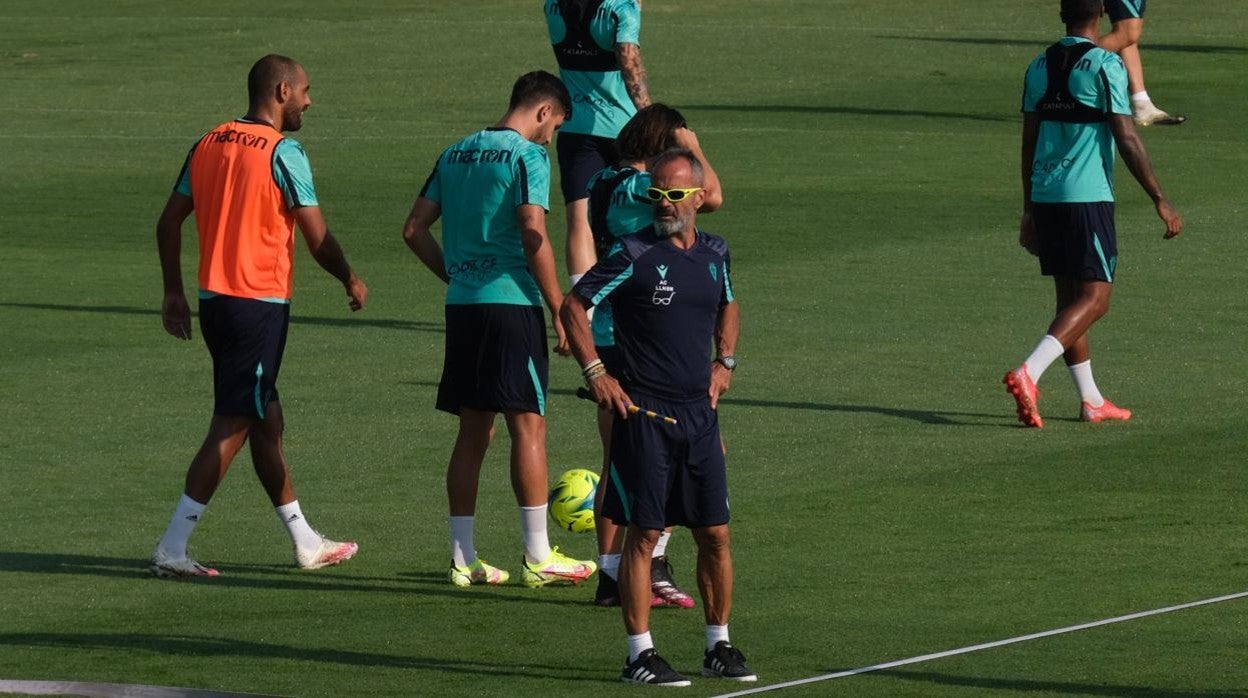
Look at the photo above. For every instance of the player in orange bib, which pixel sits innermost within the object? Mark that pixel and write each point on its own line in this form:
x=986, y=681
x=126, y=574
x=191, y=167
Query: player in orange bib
x=248, y=186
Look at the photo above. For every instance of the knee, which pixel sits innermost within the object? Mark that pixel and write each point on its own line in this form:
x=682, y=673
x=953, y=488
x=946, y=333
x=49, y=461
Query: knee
x=642, y=541
x=713, y=540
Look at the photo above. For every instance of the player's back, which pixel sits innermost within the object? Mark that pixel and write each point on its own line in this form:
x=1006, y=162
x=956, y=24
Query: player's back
x=584, y=35
x=479, y=183
x=618, y=205
x=1072, y=88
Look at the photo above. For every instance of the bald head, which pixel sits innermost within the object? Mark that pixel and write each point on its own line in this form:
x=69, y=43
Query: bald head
x=277, y=92
x=267, y=74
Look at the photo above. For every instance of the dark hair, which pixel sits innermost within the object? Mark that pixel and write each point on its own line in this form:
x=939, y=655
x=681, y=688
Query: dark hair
x=540, y=86
x=649, y=132
x=268, y=73
x=680, y=154
x=1079, y=12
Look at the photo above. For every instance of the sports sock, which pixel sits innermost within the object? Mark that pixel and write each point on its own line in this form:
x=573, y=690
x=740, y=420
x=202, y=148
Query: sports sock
x=1141, y=96
x=1084, y=383
x=638, y=644
x=714, y=634
x=533, y=523
x=660, y=548
x=301, y=534
x=1045, y=353
x=463, y=551
x=609, y=565
x=181, y=525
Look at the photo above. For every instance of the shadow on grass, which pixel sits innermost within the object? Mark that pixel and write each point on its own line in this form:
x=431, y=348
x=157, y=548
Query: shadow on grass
x=852, y=111
x=223, y=647
x=295, y=319
x=288, y=578
x=1028, y=686
x=1148, y=47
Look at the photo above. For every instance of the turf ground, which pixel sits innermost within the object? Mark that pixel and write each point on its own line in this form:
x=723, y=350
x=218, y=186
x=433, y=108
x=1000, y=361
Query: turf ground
x=885, y=502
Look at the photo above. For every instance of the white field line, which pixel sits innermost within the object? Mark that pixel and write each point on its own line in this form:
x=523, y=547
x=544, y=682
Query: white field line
x=984, y=646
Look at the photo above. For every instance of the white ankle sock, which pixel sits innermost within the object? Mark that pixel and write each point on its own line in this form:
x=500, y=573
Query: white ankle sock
x=1141, y=96
x=533, y=523
x=1084, y=383
x=714, y=634
x=463, y=551
x=638, y=644
x=660, y=548
x=181, y=525
x=301, y=534
x=609, y=565
x=1045, y=353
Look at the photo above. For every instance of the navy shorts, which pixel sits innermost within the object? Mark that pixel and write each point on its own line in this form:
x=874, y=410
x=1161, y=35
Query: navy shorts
x=581, y=157
x=246, y=338
x=496, y=359
x=1119, y=10
x=667, y=474
x=1077, y=240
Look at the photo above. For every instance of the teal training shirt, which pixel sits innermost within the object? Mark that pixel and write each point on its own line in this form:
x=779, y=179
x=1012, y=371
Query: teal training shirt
x=600, y=102
x=1075, y=161
x=292, y=173
x=628, y=212
x=479, y=182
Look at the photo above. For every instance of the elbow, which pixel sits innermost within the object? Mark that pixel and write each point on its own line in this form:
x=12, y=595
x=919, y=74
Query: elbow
x=714, y=200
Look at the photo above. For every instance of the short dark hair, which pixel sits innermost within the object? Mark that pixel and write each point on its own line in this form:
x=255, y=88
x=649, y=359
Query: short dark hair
x=1079, y=12
x=650, y=132
x=268, y=73
x=680, y=154
x=540, y=86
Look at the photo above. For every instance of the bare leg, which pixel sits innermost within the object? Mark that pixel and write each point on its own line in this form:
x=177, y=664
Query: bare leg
x=464, y=470
x=267, y=458
x=226, y=435
x=1135, y=68
x=610, y=535
x=580, y=244
x=1079, y=305
x=714, y=573
x=635, y=578
x=529, y=476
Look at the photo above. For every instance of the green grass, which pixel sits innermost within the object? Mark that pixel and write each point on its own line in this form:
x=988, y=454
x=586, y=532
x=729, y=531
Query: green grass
x=885, y=504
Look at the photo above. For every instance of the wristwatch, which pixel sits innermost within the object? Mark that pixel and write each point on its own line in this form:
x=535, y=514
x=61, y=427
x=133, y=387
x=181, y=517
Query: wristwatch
x=728, y=362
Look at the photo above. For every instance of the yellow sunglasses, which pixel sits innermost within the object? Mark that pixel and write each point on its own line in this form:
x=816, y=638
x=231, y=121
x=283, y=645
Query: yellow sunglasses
x=672, y=195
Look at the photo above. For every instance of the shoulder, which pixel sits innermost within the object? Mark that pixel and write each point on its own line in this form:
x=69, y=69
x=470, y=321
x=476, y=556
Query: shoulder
x=532, y=153
x=713, y=242
x=639, y=243
x=289, y=147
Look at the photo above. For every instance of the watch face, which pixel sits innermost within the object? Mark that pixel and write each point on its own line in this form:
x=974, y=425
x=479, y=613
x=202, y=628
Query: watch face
x=729, y=362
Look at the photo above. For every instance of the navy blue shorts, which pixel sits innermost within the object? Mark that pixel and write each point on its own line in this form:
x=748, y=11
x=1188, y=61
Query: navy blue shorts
x=667, y=474
x=496, y=359
x=1119, y=10
x=581, y=157
x=246, y=338
x=1077, y=241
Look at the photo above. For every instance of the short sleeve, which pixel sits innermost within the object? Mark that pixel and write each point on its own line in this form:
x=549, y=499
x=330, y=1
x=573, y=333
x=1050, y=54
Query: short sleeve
x=432, y=188
x=1115, y=77
x=183, y=185
x=605, y=277
x=532, y=185
x=628, y=23
x=293, y=174
x=1034, y=84
x=726, y=295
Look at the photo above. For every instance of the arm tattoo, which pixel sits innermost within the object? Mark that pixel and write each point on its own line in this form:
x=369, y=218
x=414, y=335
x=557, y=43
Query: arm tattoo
x=629, y=57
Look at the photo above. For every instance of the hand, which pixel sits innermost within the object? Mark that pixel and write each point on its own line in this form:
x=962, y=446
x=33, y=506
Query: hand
x=1027, y=234
x=1174, y=224
x=607, y=392
x=561, y=337
x=686, y=138
x=357, y=291
x=176, y=315
x=721, y=378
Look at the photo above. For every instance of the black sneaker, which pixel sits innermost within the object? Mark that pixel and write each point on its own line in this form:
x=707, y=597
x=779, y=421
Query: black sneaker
x=608, y=593
x=663, y=587
x=652, y=669
x=727, y=662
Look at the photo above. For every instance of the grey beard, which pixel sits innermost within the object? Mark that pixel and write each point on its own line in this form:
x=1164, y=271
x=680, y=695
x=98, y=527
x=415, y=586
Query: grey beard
x=669, y=228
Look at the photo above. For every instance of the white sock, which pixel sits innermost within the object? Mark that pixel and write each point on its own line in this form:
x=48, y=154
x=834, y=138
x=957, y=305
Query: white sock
x=533, y=523
x=301, y=534
x=463, y=551
x=609, y=565
x=1141, y=96
x=638, y=644
x=1045, y=353
x=185, y=516
x=1084, y=383
x=660, y=548
x=714, y=634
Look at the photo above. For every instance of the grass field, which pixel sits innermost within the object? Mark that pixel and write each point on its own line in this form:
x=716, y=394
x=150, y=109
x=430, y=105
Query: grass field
x=885, y=503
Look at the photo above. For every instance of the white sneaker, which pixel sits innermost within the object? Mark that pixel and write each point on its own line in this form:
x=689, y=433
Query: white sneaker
x=165, y=566
x=1147, y=114
x=328, y=553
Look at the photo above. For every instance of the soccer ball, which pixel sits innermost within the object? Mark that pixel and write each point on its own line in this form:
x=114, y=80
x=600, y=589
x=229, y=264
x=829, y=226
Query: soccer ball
x=571, y=501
